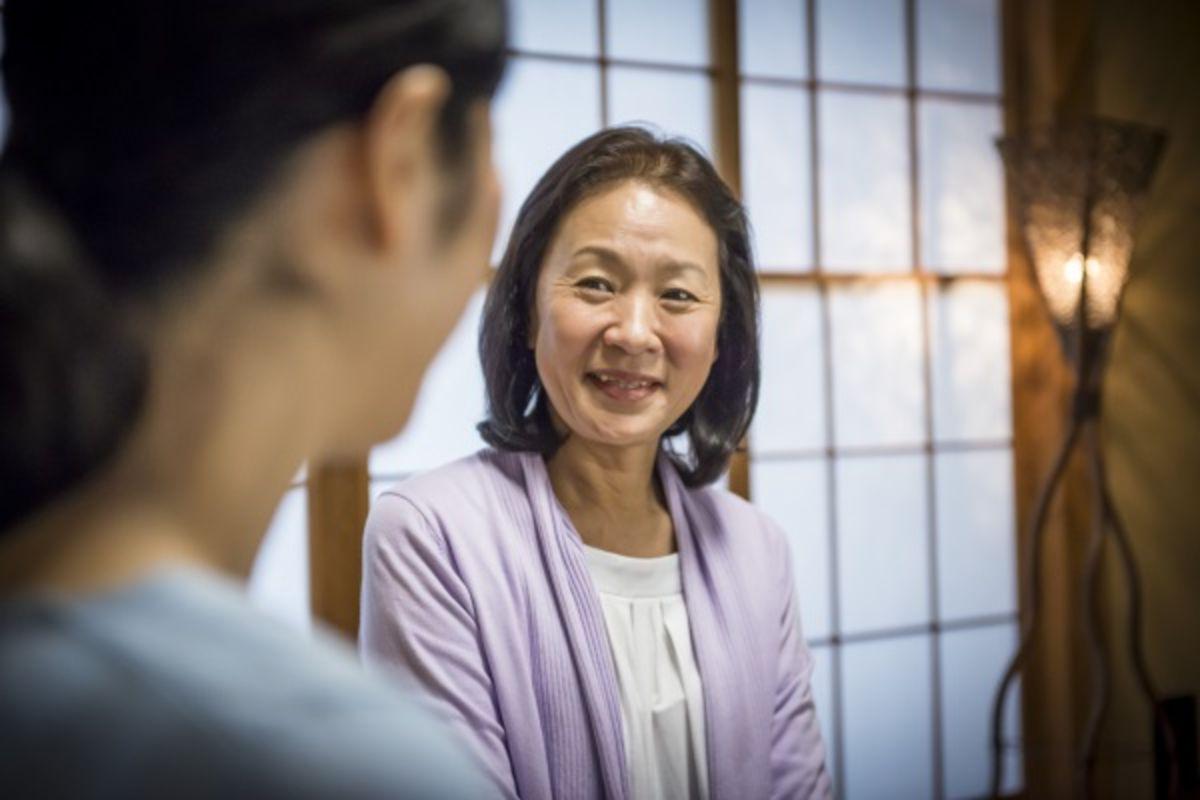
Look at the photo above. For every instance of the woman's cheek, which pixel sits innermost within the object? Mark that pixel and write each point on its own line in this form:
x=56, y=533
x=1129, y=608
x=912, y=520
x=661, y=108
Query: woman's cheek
x=694, y=343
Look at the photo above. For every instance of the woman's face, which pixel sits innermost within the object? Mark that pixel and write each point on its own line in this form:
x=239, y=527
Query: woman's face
x=628, y=301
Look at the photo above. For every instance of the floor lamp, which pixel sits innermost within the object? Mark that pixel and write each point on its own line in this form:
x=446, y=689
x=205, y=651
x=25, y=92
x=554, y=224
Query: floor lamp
x=1077, y=188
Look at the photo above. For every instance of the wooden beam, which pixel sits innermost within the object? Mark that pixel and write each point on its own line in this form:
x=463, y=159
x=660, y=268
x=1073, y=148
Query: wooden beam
x=727, y=142
x=727, y=146
x=338, y=500
x=1046, y=79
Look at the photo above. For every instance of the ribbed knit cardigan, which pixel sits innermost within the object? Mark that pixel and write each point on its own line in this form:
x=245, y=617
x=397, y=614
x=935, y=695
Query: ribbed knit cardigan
x=475, y=583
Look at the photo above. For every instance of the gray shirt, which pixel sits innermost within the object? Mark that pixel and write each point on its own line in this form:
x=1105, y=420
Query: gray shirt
x=176, y=687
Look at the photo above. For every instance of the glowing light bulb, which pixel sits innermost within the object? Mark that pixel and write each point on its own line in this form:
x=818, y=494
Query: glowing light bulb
x=1073, y=269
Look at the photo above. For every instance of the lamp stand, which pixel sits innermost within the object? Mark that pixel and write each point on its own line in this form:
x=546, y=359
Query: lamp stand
x=1084, y=424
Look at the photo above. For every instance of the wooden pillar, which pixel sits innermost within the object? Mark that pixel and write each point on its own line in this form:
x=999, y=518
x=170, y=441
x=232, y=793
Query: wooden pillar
x=1047, y=78
x=338, y=499
x=727, y=145
x=726, y=96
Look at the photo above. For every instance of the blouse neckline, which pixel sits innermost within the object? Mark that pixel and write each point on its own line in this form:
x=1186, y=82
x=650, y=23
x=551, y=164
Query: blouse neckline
x=634, y=578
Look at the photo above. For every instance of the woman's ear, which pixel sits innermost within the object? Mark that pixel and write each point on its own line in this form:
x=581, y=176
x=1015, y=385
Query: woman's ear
x=401, y=159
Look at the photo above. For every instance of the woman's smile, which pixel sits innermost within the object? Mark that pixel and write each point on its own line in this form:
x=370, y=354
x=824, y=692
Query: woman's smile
x=625, y=388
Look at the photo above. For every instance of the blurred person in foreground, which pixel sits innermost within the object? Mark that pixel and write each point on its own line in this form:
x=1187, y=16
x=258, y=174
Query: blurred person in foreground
x=233, y=235
x=598, y=618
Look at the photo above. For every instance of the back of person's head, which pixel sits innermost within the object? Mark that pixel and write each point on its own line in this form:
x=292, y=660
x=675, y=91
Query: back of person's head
x=139, y=133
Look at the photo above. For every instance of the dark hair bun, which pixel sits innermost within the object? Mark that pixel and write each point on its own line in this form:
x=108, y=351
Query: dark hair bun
x=73, y=378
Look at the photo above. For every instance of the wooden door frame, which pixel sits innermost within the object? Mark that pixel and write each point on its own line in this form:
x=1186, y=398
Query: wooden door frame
x=1047, y=77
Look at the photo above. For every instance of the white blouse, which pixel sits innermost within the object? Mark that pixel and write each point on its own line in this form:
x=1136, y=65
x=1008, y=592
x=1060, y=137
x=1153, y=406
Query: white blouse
x=662, y=707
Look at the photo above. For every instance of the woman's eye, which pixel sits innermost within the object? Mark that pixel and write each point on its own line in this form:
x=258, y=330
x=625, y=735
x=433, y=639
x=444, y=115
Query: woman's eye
x=679, y=296
x=594, y=285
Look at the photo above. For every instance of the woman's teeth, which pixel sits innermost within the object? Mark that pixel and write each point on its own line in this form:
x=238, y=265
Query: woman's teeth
x=623, y=384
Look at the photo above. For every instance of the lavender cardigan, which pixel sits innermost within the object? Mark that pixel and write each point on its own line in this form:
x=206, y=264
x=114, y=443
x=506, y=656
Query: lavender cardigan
x=475, y=582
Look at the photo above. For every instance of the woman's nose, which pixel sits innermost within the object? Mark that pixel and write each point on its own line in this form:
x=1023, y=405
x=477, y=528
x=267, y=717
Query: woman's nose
x=634, y=328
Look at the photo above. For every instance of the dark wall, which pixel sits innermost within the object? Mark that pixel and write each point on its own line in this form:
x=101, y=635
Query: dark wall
x=1148, y=70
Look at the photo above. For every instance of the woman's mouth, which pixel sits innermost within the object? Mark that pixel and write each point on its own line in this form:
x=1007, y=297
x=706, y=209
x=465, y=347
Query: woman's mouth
x=622, y=386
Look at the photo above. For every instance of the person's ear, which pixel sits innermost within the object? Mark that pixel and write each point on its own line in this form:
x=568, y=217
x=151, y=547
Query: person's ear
x=402, y=157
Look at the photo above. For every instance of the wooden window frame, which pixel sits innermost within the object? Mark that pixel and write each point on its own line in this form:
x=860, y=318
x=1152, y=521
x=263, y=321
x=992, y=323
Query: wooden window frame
x=338, y=495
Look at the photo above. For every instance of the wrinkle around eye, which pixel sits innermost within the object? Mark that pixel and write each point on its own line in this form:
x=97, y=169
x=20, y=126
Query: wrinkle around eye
x=680, y=296
x=594, y=285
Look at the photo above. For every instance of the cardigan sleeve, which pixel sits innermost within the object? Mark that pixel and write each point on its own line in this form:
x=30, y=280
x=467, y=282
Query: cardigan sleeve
x=798, y=767
x=417, y=614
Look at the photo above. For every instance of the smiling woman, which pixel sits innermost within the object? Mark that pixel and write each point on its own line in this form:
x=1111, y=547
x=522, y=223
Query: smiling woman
x=644, y=215
x=625, y=320
x=597, y=620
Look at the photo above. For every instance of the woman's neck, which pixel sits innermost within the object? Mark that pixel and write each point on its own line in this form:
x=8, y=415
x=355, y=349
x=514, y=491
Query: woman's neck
x=178, y=495
x=92, y=540
x=224, y=428
x=612, y=496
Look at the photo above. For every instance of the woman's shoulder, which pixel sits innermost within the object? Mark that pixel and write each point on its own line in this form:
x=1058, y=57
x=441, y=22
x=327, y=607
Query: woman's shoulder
x=717, y=512
x=724, y=505
x=471, y=480
x=485, y=489
x=469, y=520
x=186, y=636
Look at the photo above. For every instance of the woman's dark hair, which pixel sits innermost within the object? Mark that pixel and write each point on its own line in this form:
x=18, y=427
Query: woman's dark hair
x=518, y=417
x=139, y=129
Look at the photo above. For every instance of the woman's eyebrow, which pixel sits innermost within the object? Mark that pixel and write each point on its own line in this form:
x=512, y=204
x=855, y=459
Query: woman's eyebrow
x=673, y=268
x=600, y=252
x=612, y=258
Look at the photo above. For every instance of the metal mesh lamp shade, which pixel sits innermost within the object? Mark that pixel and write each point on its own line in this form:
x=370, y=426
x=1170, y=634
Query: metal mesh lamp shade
x=1077, y=189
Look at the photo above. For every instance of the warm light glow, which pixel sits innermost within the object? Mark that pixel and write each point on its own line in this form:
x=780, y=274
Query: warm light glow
x=1063, y=286
x=1073, y=269
x=1078, y=187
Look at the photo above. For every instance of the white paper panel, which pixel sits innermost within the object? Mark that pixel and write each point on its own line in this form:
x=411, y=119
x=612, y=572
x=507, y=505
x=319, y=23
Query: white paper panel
x=866, y=218
x=452, y=401
x=958, y=45
x=555, y=26
x=791, y=404
x=962, y=188
x=666, y=31
x=795, y=494
x=675, y=103
x=878, y=388
x=543, y=109
x=278, y=581
x=977, y=538
x=973, y=661
x=969, y=343
x=773, y=38
x=883, y=536
x=861, y=41
x=777, y=175
x=888, y=719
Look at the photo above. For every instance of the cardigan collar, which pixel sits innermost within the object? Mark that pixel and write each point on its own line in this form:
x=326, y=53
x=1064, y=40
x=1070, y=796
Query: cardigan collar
x=719, y=618
x=718, y=621
x=583, y=618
